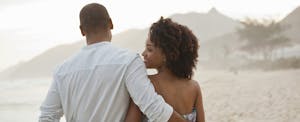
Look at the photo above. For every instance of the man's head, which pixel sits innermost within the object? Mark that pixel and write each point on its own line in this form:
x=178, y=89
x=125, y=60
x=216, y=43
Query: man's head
x=94, y=19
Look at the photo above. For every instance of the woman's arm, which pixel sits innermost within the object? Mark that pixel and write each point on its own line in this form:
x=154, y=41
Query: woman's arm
x=133, y=114
x=199, y=105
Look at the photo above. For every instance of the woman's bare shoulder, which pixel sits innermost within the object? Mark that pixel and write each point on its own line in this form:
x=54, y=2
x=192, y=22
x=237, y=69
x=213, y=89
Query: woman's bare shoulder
x=195, y=85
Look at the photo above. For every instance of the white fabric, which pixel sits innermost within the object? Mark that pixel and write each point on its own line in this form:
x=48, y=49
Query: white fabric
x=95, y=86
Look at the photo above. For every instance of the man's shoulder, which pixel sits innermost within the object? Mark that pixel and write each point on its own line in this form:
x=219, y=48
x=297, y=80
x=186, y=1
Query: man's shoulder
x=122, y=49
x=59, y=67
x=124, y=53
x=66, y=62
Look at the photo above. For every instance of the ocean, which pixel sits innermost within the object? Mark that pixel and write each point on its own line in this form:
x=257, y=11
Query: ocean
x=20, y=100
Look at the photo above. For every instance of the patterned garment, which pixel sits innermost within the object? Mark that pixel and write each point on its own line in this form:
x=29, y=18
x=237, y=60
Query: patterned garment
x=191, y=117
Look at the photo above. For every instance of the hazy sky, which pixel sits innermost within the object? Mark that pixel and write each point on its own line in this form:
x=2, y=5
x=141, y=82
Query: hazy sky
x=29, y=27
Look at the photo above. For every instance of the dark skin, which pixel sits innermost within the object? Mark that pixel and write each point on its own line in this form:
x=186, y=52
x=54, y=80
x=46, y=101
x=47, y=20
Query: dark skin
x=104, y=34
x=182, y=94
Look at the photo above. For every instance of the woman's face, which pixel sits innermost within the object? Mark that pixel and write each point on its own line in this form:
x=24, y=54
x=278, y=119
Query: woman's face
x=153, y=56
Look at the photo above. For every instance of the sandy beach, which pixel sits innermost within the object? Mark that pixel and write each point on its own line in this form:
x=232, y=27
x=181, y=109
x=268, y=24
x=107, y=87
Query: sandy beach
x=251, y=96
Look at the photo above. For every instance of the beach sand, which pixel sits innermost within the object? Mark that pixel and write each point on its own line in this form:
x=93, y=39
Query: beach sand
x=251, y=96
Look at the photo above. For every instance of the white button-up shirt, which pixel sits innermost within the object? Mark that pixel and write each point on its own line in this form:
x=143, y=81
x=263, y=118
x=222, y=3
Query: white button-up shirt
x=95, y=85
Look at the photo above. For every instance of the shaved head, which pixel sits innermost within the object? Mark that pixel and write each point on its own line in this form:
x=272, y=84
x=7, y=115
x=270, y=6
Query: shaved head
x=94, y=18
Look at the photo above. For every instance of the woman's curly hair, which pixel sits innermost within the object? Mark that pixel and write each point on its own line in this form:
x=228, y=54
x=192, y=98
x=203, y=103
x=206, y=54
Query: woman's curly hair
x=179, y=45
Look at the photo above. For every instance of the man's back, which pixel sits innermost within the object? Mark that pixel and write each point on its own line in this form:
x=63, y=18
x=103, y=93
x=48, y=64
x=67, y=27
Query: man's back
x=91, y=84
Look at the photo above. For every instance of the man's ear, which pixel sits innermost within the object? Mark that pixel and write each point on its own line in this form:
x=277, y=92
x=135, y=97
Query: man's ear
x=111, y=25
x=82, y=31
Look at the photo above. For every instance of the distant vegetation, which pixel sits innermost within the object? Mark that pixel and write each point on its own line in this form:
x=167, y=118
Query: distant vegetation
x=262, y=39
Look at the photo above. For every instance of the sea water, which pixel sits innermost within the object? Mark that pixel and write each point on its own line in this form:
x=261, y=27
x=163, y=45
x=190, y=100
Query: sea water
x=20, y=99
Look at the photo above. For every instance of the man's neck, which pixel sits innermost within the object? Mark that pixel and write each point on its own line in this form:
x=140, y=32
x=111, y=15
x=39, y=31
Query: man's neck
x=96, y=41
x=91, y=39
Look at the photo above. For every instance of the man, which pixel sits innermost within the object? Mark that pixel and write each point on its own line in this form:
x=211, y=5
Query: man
x=95, y=84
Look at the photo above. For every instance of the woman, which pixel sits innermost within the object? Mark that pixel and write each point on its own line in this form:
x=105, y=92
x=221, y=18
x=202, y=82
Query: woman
x=172, y=49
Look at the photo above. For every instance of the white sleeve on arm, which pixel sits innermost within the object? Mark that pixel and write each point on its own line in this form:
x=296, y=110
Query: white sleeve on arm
x=143, y=93
x=51, y=108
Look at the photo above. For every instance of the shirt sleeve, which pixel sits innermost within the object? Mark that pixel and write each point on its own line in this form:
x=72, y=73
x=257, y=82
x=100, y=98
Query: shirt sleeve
x=51, y=108
x=143, y=93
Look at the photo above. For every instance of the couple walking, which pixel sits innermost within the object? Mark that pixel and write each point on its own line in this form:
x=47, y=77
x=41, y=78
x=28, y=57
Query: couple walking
x=104, y=83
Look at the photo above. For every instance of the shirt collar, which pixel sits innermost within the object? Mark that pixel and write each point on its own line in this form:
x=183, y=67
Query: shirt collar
x=96, y=44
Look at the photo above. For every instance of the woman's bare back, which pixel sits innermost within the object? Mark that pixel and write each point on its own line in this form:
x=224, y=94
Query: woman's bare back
x=181, y=94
